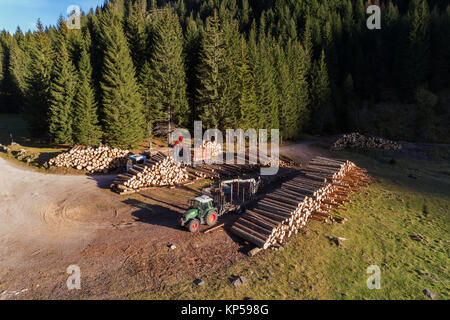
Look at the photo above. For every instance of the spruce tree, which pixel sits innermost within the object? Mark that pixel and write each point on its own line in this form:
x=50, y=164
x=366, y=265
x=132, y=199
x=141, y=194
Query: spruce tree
x=121, y=101
x=62, y=92
x=86, y=128
x=38, y=82
x=300, y=64
x=2, y=56
x=229, y=99
x=265, y=86
x=168, y=78
x=192, y=49
x=19, y=65
x=419, y=44
x=135, y=29
x=321, y=94
x=285, y=87
x=210, y=74
x=246, y=87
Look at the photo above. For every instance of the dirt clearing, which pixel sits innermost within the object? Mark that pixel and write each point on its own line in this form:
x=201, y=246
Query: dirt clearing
x=48, y=222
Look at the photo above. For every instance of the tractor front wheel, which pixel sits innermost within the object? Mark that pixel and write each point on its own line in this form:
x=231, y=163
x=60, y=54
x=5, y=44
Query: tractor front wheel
x=193, y=225
x=211, y=218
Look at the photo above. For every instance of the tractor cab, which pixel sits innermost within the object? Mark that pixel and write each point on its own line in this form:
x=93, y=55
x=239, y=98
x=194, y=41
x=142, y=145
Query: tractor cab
x=201, y=211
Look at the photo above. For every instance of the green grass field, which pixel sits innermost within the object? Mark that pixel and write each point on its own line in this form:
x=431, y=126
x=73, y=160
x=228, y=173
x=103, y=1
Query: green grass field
x=399, y=223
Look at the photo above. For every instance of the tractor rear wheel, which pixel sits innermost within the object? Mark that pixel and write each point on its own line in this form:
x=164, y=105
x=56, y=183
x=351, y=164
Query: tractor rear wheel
x=193, y=225
x=211, y=218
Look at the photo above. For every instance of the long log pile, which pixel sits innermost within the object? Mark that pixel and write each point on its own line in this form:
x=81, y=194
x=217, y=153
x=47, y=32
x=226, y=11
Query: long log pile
x=93, y=159
x=323, y=186
x=163, y=170
x=159, y=170
x=357, y=140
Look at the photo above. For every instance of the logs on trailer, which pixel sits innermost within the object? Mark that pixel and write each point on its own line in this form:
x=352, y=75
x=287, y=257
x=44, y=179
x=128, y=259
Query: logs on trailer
x=323, y=186
x=92, y=159
x=357, y=140
x=160, y=170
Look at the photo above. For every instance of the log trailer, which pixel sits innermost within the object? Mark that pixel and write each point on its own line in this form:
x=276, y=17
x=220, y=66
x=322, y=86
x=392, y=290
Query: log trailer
x=230, y=196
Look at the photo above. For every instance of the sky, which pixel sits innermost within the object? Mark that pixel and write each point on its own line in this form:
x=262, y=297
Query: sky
x=24, y=13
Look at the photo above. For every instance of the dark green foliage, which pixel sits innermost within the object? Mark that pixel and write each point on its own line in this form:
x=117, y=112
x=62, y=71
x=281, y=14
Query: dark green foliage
x=121, y=101
x=293, y=65
x=86, y=128
x=167, y=86
x=320, y=94
x=419, y=44
x=210, y=74
x=249, y=117
x=62, y=92
x=38, y=82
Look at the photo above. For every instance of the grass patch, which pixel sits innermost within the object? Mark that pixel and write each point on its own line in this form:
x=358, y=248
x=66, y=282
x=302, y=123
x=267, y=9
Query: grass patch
x=399, y=223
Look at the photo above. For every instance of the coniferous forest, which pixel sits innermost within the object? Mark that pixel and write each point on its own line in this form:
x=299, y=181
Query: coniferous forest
x=139, y=68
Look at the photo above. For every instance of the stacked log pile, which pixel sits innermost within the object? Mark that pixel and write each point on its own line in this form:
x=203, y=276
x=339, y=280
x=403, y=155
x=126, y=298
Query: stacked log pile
x=281, y=162
x=163, y=170
x=159, y=170
x=323, y=186
x=357, y=140
x=93, y=159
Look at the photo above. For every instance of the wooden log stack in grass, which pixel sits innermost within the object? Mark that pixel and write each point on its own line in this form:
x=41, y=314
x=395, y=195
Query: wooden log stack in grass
x=92, y=159
x=323, y=186
x=356, y=140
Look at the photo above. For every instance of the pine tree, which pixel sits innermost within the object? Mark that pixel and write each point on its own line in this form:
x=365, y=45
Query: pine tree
x=135, y=29
x=19, y=66
x=38, y=82
x=229, y=99
x=192, y=49
x=86, y=128
x=151, y=114
x=168, y=78
x=321, y=93
x=121, y=101
x=62, y=92
x=300, y=64
x=265, y=86
x=419, y=44
x=285, y=86
x=210, y=74
x=249, y=117
x=2, y=56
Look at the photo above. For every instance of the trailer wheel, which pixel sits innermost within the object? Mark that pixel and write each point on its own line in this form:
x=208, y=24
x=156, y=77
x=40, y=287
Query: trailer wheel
x=211, y=218
x=193, y=225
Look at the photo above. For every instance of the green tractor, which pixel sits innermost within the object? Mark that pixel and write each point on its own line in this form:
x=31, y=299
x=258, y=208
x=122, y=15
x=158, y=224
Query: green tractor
x=201, y=211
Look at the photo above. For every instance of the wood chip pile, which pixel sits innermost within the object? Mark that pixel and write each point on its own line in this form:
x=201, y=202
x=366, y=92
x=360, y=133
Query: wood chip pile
x=357, y=140
x=93, y=159
x=323, y=186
